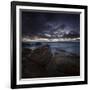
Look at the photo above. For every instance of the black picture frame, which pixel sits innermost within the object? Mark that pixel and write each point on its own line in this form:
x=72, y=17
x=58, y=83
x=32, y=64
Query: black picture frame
x=14, y=4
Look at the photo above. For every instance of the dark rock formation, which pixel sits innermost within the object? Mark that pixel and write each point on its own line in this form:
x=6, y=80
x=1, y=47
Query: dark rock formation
x=41, y=55
x=41, y=63
x=26, y=52
x=34, y=62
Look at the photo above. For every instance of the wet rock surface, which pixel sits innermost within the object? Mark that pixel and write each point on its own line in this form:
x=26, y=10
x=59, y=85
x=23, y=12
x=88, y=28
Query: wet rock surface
x=41, y=63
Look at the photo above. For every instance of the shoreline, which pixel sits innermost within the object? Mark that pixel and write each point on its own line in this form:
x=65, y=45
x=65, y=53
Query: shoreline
x=41, y=63
x=47, y=41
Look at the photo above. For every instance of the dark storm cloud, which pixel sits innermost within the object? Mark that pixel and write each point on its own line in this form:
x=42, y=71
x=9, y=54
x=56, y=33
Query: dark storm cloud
x=32, y=22
x=39, y=22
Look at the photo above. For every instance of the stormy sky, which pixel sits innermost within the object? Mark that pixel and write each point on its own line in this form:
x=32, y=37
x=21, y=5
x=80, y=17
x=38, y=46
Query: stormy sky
x=42, y=22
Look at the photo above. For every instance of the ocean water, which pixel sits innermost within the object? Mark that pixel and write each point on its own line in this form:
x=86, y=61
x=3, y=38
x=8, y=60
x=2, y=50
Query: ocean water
x=56, y=47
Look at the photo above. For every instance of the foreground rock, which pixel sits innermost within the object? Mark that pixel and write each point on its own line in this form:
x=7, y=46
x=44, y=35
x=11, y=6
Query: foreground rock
x=34, y=62
x=41, y=63
x=42, y=55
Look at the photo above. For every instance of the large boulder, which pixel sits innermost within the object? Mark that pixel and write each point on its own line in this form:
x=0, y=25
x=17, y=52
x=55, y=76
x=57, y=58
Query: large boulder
x=41, y=55
x=26, y=52
x=35, y=62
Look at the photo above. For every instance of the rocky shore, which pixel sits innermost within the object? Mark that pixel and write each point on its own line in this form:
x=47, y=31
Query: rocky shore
x=40, y=62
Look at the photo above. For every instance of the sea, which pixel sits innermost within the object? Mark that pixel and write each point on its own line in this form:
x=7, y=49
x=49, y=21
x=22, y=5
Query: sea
x=56, y=47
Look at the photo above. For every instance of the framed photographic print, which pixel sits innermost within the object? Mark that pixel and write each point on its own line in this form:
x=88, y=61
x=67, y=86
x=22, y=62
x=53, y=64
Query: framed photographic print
x=49, y=44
